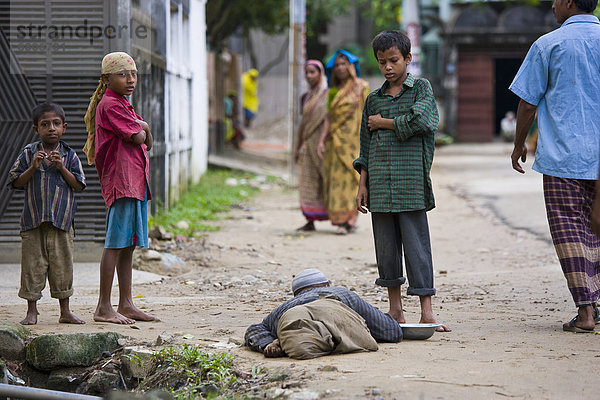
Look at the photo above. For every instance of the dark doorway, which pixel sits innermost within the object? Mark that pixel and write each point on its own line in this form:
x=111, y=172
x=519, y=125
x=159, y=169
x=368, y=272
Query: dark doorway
x=505, y=100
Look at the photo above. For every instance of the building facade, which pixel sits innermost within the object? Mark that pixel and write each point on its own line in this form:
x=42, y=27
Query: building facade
x=484, y=46
x=52, y=51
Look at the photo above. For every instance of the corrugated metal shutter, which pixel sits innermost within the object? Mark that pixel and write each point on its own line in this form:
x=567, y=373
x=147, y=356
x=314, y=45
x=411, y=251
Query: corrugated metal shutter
x=63, y=69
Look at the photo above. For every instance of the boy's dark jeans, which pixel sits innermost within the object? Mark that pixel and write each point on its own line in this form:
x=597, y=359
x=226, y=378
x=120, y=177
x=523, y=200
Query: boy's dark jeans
x=409, y=232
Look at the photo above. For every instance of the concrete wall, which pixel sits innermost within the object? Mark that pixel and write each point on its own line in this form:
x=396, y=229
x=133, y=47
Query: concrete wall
x=186, y=98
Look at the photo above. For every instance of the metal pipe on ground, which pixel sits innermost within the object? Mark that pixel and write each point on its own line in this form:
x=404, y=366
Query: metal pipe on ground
x=27, y=393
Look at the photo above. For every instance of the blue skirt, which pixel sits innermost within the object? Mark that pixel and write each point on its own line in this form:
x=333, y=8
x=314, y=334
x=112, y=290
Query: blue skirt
x=127, y=224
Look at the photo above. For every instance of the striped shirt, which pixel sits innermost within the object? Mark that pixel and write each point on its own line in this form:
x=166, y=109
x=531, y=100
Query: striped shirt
x=48, y=197
x=382, y=326
x=399, y=161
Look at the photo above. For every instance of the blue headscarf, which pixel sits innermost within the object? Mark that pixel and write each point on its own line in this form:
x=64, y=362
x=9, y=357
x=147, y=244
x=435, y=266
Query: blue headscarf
x=352, y=59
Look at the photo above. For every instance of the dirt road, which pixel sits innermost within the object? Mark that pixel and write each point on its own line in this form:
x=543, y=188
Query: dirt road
x=500, y=288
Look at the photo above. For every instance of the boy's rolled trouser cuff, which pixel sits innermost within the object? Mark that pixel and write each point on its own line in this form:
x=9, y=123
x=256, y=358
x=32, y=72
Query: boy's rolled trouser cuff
x=390, y=282
x=411, y=291
x=62, y=294
x=29, y=296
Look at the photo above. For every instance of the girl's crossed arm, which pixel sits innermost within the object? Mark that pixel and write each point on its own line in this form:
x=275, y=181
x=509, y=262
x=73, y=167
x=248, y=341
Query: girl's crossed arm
x=144, y=136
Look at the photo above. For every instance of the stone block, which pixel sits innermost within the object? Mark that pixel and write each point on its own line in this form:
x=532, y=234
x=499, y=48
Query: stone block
x=49, y=352
x=12, y=340
x=66, y=379
x=137, y=362
x=100, y=383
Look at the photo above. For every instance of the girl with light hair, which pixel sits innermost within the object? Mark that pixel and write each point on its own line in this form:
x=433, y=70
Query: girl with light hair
x=118, y=143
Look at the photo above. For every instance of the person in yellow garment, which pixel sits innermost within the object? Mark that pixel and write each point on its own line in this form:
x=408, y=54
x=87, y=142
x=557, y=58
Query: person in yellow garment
x=251, y=100
x=339, y=145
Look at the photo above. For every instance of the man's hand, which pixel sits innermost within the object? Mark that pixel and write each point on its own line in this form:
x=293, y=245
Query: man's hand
x=525, y=116
x=273, y=349
x=519, y=152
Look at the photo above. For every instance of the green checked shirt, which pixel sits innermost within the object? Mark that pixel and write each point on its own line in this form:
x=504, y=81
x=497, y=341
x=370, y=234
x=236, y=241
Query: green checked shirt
x=399, y=161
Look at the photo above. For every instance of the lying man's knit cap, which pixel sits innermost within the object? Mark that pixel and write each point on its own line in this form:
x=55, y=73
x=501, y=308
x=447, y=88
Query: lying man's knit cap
x=308, y=277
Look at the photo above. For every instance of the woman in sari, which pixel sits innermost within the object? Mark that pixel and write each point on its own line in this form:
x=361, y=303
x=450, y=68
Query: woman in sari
x=340, y=144
x=310, y=178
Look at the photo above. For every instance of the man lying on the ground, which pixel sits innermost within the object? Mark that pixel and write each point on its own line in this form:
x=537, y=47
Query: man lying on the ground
x=320, y=320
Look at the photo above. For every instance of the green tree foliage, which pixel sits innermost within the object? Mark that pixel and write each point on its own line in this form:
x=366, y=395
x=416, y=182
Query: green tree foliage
x=383, y=13
x=226, y=17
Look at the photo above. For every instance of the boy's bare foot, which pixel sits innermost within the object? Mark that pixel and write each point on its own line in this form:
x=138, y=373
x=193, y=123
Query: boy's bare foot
x=399, y=317
x=30, y=319
x=70, y=318
x=136, y=314
x=113, y=317
x=32, y=313
x=442, y=328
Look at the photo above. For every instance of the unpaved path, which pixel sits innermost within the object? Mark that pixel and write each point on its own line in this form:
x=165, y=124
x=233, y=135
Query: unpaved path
x=500, y=288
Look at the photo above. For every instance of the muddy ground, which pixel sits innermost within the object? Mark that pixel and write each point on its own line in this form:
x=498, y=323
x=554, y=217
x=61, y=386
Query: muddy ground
x=500, y=289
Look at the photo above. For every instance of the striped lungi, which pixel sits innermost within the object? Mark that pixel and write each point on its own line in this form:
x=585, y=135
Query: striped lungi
x=568, y=207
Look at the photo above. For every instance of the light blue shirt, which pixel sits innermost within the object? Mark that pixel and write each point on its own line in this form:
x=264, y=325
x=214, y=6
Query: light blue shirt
x=561, y=76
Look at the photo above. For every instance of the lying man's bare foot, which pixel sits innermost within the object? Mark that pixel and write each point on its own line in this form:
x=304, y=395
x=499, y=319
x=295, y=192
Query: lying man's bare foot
x=70, y=318
x=442, y=328
x=30, y=319
x=113, y=317
x=136, y=314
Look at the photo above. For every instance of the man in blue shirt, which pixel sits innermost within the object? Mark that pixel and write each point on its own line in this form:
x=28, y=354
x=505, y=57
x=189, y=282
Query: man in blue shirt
x=560, y=80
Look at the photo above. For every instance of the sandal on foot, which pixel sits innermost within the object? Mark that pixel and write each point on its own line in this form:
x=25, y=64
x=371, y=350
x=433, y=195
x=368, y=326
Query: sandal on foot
x=308, y=227
x=570, y=327
x=345, y=229
x=596, y=315
x=342, y=231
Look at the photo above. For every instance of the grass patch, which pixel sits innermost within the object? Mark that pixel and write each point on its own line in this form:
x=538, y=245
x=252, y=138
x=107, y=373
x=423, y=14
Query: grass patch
x=190, y=373
x=206, y=200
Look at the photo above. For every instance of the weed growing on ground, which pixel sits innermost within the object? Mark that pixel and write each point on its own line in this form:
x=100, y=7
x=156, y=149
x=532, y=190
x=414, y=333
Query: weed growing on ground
x=190, y=373
x=204, y=201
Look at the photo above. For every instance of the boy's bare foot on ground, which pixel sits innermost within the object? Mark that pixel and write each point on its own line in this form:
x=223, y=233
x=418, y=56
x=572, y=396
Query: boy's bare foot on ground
x=70, y=318
x=136, y=314
x=113, y=317
x=30, y=319
x=399, y=317
x=442, y=328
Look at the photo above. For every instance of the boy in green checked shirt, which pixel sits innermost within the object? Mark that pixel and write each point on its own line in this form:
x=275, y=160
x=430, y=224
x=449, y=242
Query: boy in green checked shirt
x=396, y=150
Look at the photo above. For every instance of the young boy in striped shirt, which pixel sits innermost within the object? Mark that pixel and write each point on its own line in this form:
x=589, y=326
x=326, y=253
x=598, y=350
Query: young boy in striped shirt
x=396, y=151
x=50, y=172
